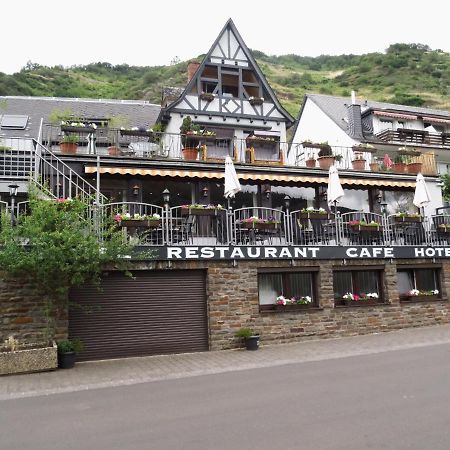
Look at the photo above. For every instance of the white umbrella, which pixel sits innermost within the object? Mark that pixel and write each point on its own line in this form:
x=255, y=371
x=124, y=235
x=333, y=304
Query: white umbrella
x=421, y=194
x=335, y=191
x=232, y=185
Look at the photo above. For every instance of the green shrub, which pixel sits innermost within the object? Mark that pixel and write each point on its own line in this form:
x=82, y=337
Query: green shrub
x=245, y=333
x=67, y=345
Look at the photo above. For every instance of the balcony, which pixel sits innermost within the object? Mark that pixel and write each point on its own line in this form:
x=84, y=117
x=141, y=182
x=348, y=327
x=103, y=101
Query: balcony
x=415, y=137
x=152, y=225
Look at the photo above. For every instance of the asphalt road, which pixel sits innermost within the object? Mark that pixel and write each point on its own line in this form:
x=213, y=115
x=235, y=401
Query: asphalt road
x=391, y=400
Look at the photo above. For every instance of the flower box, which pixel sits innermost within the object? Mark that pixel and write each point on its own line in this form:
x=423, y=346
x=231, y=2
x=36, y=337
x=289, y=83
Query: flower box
x=260, y=225
x=294, y=307
x=408, y=219
x=74, y=129
x=256, y=100
x=37, y=359
x=141, y=223
x=200, y=211
x=136, y=133
x=364, y=149
x=207, y=96
x=419, y=298
x=365, y=302
x=366, y=227
x=315, y=215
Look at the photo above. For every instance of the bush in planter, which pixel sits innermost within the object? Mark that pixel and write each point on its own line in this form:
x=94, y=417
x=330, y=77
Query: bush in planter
x=69, y=143
x=250, y=337
x=67, y=351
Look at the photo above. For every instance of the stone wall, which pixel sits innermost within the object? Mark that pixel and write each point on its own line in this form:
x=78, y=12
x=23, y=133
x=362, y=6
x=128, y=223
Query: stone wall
x=22, y=314
x=232, y=303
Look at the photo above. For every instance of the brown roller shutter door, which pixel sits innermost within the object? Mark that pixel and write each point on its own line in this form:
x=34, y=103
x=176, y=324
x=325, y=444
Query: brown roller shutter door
x=157, y=312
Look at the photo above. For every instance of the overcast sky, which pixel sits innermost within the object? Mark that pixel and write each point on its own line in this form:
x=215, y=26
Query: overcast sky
x=149, y=33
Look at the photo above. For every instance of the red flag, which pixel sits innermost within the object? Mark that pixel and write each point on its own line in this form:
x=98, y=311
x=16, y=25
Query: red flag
x=387, y=161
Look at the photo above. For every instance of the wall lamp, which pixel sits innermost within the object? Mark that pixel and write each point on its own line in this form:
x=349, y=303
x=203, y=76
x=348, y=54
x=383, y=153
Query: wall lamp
x=136, y=189
x=267, y=189
x=205, y=192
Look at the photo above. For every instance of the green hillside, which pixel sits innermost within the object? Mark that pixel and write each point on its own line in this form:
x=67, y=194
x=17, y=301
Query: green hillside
x=410, y=74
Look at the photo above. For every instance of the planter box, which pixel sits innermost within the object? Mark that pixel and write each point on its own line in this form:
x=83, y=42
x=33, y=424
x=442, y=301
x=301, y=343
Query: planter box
x=31, y=360
x=407, y=219
x=207, y=97
x=414, y=168
x=153, y=223
x=368, y=228
x=136, y=133
x=70, y=129
x=68, y=148
x=259, y=226
x=290, y=308
x=256, y=101
x=312, y=145
x=399, y=167
x=359, y=164
x=200, y=211
x=359, y=149
x=370, y=302
x=315, y=215
x=420, y=298
x=374, y=167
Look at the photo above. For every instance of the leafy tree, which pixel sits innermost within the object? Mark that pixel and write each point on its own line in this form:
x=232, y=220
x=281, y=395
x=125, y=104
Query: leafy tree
x=56, y=247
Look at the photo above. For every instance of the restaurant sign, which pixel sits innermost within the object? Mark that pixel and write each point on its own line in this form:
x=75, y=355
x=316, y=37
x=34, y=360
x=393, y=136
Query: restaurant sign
x=191, y=252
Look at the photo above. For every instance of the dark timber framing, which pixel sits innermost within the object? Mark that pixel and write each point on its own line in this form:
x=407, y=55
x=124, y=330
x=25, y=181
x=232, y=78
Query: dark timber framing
x=226, y=102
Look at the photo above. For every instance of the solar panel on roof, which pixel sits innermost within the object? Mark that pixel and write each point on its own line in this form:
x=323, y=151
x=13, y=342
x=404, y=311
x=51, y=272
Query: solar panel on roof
x=13, y=122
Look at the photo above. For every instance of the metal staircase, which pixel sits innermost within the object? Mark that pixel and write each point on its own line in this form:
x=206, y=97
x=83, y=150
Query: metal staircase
x=24, y=161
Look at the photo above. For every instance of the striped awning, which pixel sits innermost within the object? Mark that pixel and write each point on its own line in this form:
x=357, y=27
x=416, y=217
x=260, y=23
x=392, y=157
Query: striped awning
x=395, y=115
x=243, y=176
x=436, y=120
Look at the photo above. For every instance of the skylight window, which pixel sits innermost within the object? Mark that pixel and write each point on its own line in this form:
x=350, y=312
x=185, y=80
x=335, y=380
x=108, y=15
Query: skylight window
x=13, y=122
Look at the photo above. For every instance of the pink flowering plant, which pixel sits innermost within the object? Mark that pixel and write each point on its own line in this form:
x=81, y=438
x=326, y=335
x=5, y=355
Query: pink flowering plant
x=255, y=219
x=360, y=297
x=296, y=300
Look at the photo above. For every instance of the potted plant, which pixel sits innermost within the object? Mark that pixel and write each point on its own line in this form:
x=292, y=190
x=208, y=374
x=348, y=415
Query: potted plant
x=311, y=162
x=69, y=144
x=250, y=338
x=399, y=164
x=374, y=165
x=326, y=157
x=359, y=163
x=67, y=351
x=189, y=132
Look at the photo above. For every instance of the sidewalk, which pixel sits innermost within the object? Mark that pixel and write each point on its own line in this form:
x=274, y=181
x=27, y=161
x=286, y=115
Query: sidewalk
x=120, y=372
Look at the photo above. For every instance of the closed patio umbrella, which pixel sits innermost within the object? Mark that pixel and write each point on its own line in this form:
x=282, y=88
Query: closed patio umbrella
x=421, y=195
x=335, y=191
x=232, y=185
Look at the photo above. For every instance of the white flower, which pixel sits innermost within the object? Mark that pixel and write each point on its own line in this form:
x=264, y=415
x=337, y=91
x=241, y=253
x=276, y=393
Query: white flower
x=321, y=210
x=413, y=292
x=308, y=299
x=372, y=295
x=156, y=216
x=127, y=216
x=310, y=208
x=348, y=296
x=435, y=292
x=281, y=300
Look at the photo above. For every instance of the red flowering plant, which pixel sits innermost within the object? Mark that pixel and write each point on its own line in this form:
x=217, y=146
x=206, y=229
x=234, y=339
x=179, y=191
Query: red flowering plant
x=255, y=219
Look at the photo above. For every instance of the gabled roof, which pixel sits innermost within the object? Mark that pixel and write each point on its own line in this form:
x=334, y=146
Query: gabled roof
x=336, y=108
x=139, y=113
x=229, y=25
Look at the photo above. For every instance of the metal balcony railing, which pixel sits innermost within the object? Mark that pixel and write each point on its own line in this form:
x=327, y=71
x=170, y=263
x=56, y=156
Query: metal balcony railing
x=418, y=137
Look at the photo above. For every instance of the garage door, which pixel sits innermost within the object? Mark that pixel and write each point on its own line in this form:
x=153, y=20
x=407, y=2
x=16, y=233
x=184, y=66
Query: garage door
x=157, y=312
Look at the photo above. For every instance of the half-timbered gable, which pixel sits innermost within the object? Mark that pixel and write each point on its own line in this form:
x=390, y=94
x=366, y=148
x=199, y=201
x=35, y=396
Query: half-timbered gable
x=228, y=88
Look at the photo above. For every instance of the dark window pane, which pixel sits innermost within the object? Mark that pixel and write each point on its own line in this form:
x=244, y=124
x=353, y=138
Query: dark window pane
x=366, y=282
x=425, y=279
x=298, y=285
x=342, y=283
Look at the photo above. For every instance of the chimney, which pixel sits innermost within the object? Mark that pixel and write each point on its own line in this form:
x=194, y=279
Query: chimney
x=191, y=69
x=354, y=119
